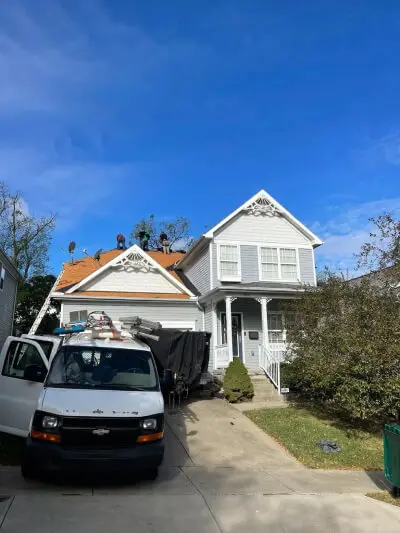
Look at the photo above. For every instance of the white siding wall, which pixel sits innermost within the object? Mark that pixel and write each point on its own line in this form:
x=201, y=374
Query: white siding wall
x=260, y=228
x=157, y=311
x=7, y=301
x=135, y=281
x=198, y=273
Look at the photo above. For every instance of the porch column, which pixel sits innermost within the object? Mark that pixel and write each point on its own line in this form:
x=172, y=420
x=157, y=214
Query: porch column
x=264, y=319
x=229, y=340
x=214, y=337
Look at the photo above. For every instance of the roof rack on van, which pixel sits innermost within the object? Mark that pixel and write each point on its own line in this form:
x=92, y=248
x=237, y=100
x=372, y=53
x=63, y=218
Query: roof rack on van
x=99, y=325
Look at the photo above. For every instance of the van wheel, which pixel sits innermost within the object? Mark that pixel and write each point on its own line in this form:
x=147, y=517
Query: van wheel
x=29, y=471
x=150, y=474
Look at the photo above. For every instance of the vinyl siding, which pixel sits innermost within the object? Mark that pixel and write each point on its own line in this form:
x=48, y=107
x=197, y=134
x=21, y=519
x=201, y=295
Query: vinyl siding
x=157, y=311
x=249, y=260
x=125, y=280
x=250, y=266
x=198, y=273
x=260, y=228
x=307, y=266
x=7, y=302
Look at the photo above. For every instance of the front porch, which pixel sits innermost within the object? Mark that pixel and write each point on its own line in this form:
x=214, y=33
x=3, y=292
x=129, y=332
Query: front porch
x=252, y=328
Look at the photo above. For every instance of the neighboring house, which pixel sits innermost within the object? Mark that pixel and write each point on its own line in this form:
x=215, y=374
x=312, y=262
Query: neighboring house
x=231, y=283
x=8, y=296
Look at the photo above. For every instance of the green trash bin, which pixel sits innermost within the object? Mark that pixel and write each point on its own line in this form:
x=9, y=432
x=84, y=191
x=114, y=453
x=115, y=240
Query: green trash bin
x=391, y=448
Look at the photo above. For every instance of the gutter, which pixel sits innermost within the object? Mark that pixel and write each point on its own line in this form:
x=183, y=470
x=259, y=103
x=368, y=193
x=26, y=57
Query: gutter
x=69, y=298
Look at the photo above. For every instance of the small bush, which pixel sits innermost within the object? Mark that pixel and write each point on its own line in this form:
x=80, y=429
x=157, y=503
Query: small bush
x=289, y=376
x=237, y=383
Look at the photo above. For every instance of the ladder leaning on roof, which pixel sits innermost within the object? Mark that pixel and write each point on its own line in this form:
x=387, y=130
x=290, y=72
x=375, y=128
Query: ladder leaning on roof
x=44, y=307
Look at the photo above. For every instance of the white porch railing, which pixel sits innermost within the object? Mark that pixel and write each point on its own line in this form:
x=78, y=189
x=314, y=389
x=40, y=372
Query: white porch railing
x=221, y=355
x=271, y=356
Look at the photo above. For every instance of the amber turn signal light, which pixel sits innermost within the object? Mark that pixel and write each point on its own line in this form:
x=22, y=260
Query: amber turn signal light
x=150, y=437
x=49, y=437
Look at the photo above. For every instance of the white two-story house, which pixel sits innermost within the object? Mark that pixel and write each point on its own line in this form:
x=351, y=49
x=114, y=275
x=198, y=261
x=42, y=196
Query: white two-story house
x=231, y=283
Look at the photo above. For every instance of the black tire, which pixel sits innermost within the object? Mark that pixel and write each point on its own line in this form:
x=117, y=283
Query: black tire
x=29, y=471
x=150, y=474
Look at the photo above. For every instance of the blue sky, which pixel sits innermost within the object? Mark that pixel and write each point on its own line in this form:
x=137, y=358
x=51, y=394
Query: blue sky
x=113, y=110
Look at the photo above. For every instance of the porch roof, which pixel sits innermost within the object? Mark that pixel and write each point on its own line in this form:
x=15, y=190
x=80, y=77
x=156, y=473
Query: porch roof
x=254, y=290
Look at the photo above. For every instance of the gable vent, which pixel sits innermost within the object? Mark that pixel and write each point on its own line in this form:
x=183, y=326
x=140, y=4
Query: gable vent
x=262, y=206
x=134, y=262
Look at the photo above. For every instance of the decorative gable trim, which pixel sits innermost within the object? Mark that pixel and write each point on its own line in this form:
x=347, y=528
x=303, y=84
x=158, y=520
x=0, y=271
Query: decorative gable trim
x=133, y=259
x=263, y=204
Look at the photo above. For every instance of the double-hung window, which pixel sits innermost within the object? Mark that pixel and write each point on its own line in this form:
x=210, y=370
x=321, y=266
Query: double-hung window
x=288, y=258
x=229, y=262
x=278, y=264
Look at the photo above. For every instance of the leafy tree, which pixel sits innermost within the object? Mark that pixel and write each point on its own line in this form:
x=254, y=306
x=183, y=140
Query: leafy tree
x=344, y=348
x=178, y=232
x=382, y=251
x=30, y=298
x=237, y=383
x=24, y=238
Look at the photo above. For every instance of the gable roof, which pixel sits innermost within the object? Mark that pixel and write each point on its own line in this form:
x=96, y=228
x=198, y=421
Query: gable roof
x=261, y=195
x=83, y=270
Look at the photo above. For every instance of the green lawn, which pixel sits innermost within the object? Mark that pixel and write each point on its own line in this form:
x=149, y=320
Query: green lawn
x=384, y=497
x=11, y=449
x=299, y=431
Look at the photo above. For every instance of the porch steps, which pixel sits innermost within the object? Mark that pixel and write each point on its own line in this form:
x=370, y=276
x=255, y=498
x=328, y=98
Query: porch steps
x=264, y=391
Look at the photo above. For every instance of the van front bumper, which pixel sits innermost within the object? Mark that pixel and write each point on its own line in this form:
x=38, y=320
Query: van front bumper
x=54, y=457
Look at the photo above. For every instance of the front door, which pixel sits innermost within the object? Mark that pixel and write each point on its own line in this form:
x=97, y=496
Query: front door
x=237, y=328
x=18, y=394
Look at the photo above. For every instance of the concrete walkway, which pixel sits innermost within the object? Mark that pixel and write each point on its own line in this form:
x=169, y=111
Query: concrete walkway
x=221, y=474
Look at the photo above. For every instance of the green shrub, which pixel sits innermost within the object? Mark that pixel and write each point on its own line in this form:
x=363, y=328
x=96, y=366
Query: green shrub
x=344, y=349
x=289, y=376
x=237, y=383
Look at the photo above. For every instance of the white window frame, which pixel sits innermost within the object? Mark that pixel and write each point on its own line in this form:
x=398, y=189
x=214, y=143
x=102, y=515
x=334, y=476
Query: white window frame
x=239, y=261
x=278, y=249
x=79, y=311
x=2, y=276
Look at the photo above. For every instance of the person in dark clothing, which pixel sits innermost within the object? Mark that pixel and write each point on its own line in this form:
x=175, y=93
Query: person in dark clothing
x=144, y=238
x=121, y=242
x=163, y=238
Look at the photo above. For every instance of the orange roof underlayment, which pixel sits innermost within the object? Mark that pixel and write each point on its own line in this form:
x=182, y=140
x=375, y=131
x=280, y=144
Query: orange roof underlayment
x=81, y=268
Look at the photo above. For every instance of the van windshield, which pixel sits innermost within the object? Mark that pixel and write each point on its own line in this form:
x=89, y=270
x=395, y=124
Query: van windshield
x=96, y=367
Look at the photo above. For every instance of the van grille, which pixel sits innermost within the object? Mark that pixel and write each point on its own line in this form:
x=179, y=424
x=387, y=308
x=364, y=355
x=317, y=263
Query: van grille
x=88, y=432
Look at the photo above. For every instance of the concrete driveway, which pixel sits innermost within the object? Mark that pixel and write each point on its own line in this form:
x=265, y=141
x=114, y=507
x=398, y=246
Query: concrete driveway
x=220, y=474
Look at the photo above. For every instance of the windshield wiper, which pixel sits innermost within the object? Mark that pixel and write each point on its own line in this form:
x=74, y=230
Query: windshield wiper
x=119, y=386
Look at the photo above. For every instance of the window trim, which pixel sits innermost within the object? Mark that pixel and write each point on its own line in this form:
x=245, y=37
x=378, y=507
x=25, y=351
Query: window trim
x=278, y=249
x=239, y=262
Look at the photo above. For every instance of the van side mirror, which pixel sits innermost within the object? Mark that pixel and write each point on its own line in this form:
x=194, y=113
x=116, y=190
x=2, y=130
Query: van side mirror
x=35, y=373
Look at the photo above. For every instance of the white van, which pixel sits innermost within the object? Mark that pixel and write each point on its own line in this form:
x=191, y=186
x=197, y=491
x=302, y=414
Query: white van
x=90, y=404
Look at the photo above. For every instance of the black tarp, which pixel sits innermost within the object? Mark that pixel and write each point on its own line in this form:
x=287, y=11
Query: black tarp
x=184, y=353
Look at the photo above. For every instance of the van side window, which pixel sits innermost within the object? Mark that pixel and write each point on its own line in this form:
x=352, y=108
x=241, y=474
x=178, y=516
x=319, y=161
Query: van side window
x=20, y=355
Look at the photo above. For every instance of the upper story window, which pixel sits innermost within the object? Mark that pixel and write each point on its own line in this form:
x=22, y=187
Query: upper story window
x=278, y=264
x=2, y=276
x=229, y=262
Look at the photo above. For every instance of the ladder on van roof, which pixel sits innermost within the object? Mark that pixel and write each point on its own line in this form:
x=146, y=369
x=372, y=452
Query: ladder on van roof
x=45, y=306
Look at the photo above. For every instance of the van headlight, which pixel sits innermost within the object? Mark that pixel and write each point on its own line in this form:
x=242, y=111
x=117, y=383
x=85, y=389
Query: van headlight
x=50, y=422
x=149, y=424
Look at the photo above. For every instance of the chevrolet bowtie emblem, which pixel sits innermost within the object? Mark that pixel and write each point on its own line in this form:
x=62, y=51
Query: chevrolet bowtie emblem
x=100, y=432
